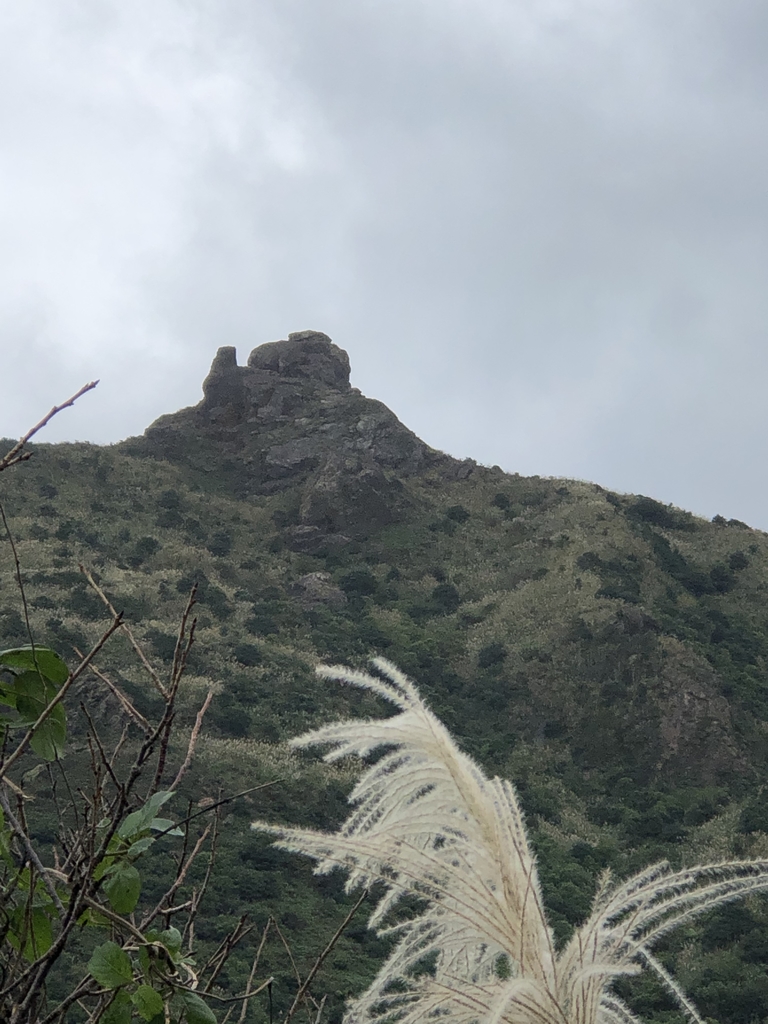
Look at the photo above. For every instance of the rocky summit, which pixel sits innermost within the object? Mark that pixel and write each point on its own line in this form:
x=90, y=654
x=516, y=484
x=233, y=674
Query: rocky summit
x=290, y=416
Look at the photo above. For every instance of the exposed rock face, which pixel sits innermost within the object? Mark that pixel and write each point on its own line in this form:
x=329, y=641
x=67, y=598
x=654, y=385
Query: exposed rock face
x=291, y=417
x=316, y=589
x=696, y=725
x=305, y=354
x=349, y=490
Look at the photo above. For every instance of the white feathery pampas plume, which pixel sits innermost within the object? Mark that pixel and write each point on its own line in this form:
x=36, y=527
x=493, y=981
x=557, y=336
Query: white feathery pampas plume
x=426, y=821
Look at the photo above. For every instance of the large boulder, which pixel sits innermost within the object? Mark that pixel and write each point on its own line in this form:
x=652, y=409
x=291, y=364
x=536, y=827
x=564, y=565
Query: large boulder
x=308, y=354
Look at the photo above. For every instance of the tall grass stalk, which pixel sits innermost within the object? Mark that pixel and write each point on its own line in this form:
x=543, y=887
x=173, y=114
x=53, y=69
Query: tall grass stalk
x=427, y=823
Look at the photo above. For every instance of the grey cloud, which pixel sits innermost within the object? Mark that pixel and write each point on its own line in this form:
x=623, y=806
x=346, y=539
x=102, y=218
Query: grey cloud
x=539, y=229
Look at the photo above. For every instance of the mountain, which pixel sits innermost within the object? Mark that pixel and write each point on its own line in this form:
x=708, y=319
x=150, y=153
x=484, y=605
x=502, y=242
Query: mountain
x=606, y=652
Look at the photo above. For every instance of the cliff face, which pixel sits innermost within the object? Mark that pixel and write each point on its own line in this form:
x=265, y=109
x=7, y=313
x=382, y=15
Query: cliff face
x=291, y=417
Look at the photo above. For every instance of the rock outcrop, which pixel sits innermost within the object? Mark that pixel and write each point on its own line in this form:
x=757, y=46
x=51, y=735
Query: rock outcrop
x=290, y=417
x=316, y=589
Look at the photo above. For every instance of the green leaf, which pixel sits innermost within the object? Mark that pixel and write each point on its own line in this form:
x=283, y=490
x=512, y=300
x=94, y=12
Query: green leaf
x=49, y=663
x=147, y=1001
x=167, y=826
x=195, y=1010
x=7, y=696
x=156, y=801
x=34, y=929
x=103, y=867
x=41, y=938
x=139, y=847
x=6, y=836
x=31, y=695
x=110, y=966
x=122, y=887
x=42, y=897
x=118, y=1011
x=50, y=737
x=132, y=825
x=138, y=821
x=171, y=939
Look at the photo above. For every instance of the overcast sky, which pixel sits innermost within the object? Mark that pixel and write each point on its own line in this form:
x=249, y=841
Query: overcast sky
x=539, y=227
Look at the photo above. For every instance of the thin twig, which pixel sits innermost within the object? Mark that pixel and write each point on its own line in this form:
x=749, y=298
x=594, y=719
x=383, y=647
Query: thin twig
x=100, y=746
x=14, y=455
x=198, y=895
x=321, y=959
x=182, y=648
x=220, y=803
x=179, y=880
x=20, y=584
x=122, y=922
x=126, y=629
x=181, y=653
x=192, y=741
x=21, y=834
x=124, y=702
x=226, y=999
x=289, y=952
x=251, y=976
x=119, y=744
x=320, y=1009
x=221, y=955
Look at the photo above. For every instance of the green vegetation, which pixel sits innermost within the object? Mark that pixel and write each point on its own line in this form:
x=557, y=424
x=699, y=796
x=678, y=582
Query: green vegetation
x=608, y=654
x=448, y=850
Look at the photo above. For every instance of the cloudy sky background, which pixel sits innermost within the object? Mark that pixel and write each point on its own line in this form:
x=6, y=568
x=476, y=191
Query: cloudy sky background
x=539, y=227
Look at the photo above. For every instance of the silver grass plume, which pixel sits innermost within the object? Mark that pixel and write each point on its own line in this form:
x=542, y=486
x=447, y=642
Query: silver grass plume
x=427, y=822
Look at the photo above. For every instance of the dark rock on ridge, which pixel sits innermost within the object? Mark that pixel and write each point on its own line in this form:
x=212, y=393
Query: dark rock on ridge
x=290, y=417
x=305, y=354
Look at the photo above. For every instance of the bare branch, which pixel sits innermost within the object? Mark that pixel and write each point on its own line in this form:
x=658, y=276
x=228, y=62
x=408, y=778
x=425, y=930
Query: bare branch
x=251, y=976
x=289, y=952
x=181, y=651
x=192, y=741
x=19, y=582
x=21, y=835
x=15, y=454
x=221, y=955
x=179, y=880
x=121, y=698
x=321, y=959
x=126, y=629
x=320, y=1009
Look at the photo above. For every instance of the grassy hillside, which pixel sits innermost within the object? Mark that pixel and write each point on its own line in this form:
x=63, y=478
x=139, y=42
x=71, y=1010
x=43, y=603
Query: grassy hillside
x=606, y=652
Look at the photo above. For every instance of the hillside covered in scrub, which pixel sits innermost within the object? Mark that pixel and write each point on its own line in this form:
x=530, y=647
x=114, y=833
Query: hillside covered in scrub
x=605, y=652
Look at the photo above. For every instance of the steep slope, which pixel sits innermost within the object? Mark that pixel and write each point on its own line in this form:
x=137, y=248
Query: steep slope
x=607, y=652
x=565, y=571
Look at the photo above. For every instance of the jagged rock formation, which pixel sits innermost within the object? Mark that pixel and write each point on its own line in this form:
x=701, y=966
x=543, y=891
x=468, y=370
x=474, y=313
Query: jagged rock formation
x=290, y=416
